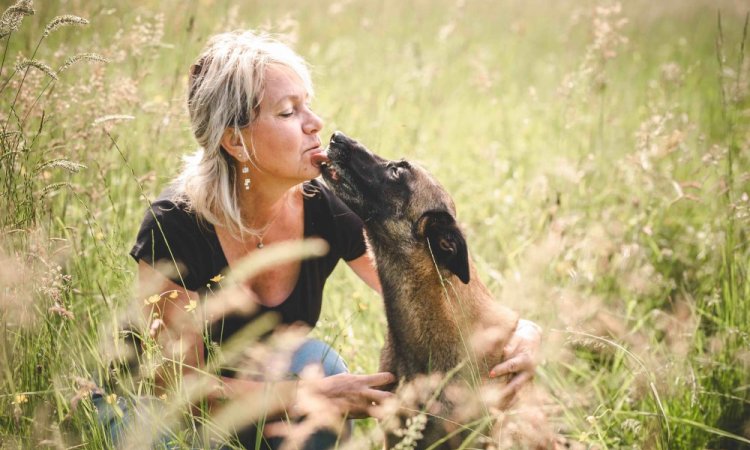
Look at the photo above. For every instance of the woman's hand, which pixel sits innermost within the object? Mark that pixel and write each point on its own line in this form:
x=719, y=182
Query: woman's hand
x=520, y=358
x=354, y=395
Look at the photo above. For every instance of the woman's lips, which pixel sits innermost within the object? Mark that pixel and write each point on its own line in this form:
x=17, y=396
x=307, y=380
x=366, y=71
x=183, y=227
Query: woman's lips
x=319, y=158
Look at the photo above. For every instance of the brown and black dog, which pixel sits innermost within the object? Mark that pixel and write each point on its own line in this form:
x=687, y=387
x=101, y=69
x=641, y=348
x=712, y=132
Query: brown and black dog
x=434, y=301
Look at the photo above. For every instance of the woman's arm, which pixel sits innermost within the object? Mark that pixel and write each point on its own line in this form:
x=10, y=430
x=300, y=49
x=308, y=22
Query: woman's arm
x=364, y=267
x=167, y=308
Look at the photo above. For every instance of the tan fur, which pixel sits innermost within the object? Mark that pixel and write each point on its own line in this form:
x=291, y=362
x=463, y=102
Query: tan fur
x=442, y=315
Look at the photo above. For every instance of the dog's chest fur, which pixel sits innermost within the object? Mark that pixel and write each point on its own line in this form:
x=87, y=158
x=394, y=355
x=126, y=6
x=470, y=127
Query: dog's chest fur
x=431, y=320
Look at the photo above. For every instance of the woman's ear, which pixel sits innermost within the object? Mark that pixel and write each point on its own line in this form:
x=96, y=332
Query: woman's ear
x=232, y=143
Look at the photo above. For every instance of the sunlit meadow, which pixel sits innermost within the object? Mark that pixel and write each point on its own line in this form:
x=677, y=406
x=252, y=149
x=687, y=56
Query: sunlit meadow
x=597, y=152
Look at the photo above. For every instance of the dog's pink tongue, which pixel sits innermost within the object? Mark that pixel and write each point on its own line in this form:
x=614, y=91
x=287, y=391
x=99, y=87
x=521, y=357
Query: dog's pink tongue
x=320, y=158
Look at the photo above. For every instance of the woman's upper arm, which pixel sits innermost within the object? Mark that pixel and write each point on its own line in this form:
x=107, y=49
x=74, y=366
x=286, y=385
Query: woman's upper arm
x=364, y=267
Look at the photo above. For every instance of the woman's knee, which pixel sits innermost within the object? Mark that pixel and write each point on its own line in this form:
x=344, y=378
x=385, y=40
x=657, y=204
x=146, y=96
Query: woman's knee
x=313, y=351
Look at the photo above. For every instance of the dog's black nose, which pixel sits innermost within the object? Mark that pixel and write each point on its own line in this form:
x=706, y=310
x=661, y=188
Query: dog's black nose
x=338, y=137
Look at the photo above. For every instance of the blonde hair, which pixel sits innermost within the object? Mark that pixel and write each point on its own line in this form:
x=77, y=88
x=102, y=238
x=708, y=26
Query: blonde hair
x=225, y=90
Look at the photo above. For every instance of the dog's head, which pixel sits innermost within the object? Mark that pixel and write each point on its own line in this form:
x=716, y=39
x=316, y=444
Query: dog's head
x=400, y=203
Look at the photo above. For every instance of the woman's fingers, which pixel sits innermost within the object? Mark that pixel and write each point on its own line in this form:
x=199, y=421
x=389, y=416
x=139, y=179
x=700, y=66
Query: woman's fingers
x=375, y=398
x=376, y=395
x=519, y=363
x=356, y=394
x=365, y=403
x=520, y=351
x=516, y=383
x=379, y=379
x=509, y=391
x=512, y=346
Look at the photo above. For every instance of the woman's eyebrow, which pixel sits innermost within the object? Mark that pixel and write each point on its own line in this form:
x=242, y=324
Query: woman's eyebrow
x=292, y=97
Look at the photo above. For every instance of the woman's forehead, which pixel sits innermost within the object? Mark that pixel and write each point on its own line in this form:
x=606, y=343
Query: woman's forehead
x=281, y=82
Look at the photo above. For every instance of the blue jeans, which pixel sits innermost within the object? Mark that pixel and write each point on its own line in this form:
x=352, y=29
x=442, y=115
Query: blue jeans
x=312, y=351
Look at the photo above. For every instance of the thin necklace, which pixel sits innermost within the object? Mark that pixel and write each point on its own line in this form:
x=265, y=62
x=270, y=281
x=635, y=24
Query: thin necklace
x=267, y=228
x=265, y=231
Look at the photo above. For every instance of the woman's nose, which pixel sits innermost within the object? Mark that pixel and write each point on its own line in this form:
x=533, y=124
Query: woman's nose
x=313, y=124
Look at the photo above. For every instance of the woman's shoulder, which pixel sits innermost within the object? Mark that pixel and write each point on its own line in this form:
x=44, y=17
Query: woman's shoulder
x=170, y=207
x=172, y=232
x=171, y=200
x=170, y=216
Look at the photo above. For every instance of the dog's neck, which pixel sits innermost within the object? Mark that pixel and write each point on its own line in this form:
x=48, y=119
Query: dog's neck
x=430, y=312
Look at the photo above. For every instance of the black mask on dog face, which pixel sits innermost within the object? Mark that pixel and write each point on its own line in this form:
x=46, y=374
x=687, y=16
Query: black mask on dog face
x=399, y=202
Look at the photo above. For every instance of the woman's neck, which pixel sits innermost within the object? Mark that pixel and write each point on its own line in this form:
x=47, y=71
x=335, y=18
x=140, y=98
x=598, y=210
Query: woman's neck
x=260, y=206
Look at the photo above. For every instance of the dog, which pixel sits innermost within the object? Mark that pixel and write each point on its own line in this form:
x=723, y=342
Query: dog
x=434, y=301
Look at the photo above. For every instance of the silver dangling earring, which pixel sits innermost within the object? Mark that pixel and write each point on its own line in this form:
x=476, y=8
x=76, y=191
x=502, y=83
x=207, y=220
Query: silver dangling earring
x=246, y=179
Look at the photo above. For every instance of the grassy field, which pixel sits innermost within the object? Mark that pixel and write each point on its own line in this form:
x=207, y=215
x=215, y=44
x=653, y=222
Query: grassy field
x=597, y=153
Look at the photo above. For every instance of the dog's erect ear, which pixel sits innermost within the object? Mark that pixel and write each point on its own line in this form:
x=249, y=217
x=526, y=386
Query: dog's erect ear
x=446, y=241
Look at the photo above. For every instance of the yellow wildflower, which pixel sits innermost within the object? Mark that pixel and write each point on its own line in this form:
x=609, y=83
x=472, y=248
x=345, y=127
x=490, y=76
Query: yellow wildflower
x=112, y=400
x=173, y=295
x=20, y=398
x=217, y=278
x=153, y=299
x=190, y=307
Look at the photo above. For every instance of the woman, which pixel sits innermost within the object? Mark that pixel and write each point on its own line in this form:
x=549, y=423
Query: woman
x=252, y=183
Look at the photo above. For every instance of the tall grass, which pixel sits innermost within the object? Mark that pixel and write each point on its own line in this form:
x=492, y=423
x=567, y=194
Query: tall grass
x=597, y=152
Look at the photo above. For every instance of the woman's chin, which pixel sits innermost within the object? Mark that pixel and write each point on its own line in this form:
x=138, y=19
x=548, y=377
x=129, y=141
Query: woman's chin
x=309, y=172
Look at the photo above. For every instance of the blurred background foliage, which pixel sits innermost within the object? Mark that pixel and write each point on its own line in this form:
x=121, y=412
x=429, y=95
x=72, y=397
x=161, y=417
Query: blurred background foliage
x=597, y=152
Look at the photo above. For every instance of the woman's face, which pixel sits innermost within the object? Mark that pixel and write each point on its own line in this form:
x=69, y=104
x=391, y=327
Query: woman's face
x=283, y=139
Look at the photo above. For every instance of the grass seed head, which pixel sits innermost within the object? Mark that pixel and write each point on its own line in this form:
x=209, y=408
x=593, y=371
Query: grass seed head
x=24, y=65
x=64, y=20
x=90, y=57
x=112, y=118
x=12, y=17
x=70, y=166
x=61, y=311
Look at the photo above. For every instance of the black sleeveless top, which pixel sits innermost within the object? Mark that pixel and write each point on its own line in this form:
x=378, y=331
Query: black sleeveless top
x=170, y=233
